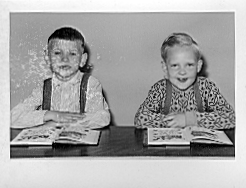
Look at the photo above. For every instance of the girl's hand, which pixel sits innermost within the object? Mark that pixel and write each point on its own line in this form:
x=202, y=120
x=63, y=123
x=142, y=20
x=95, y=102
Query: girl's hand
x=63, y=117
x=175, y=120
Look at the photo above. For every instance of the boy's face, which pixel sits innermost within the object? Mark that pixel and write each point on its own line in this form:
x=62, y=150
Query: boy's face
x=182, y=66
x=65, y=57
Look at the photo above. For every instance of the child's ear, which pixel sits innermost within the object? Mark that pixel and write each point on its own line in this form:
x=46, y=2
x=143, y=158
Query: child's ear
x=164, y=68
x=46, y=56
x=83, y=59
x=199, y=65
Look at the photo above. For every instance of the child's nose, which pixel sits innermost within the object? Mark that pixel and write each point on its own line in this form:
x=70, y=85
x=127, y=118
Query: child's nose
x=65, y=58
x=182, y=71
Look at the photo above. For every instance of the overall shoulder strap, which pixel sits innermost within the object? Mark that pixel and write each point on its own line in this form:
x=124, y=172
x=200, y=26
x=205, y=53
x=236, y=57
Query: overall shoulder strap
x=167, y=102
x=83, y=89
x=198, y=97
x=47, y=89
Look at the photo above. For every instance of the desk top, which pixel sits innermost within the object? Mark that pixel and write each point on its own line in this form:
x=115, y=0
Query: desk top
x=123, y=142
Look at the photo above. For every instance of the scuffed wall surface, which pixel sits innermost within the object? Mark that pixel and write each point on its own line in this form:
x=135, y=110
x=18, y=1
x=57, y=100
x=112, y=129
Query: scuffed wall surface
x=27, y=65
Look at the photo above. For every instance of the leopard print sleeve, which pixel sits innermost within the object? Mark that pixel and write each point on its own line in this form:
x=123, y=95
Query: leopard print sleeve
x=218, y=114
x=148, y=114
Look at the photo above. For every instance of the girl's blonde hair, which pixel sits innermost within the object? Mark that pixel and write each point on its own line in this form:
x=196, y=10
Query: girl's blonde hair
x=179, y=39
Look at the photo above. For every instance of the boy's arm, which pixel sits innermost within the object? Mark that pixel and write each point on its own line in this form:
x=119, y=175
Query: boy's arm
x=148, y=114
x=96, y=109
x=25, y=114
x=220, y=114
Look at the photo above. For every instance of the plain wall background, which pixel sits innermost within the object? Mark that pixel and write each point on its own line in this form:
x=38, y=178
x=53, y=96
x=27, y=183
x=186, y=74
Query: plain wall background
x=124, y=50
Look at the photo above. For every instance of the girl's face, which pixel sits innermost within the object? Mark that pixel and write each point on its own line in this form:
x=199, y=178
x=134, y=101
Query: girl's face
x=182, y=66
x=65, y=57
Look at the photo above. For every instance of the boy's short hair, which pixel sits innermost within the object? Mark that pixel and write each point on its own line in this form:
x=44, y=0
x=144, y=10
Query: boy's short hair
x=179, y=39
x=67, y=33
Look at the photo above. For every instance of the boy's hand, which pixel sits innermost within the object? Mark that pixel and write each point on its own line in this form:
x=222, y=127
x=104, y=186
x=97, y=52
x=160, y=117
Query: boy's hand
x=63, y=117
x=175, y=120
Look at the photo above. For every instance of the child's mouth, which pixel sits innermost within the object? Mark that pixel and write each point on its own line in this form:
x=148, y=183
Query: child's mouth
x=182, y=79
x=65, y=67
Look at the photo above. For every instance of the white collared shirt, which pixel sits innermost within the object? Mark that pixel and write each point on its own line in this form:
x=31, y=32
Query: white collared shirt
x=65, y=97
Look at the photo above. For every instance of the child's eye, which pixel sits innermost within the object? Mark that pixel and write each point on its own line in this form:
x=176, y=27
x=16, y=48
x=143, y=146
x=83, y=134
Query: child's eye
x=73, y=53
x=174, y=65
x=190, y=64
x=57, y=52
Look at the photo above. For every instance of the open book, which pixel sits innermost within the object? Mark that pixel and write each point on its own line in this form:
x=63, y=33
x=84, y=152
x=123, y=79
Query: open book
x=47, y=135
x=178, y=136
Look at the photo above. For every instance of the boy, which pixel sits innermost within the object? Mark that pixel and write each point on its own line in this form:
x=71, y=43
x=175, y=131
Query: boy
x=182, y=98
x=70, y=96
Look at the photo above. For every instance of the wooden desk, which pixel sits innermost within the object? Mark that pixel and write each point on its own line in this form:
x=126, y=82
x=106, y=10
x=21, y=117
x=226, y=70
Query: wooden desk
x=123, y=141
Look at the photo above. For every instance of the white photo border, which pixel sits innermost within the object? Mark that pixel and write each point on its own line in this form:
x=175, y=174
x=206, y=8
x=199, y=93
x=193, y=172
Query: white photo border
x=118, y=172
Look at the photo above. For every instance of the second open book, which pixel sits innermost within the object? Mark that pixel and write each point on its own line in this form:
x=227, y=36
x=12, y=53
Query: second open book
x=48, y=135
x=178, y=136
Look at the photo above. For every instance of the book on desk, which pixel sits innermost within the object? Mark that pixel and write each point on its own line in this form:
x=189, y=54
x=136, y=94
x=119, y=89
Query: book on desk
x=186, y=136
x=49, y=135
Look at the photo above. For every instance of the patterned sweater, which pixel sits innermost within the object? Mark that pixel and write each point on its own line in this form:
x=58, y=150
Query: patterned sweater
x=218, y=114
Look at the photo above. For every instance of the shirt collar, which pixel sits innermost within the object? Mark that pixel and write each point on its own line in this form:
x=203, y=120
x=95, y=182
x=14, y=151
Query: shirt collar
x=75, y=80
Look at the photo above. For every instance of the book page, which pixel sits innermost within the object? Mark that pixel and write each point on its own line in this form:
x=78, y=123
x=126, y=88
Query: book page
x=37, y=136
x=203, y=135
x=78, y=134
x=167, y=136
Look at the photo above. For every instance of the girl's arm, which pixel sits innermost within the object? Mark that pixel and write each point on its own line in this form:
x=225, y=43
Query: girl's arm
x=220, y=114
x=148, y=114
